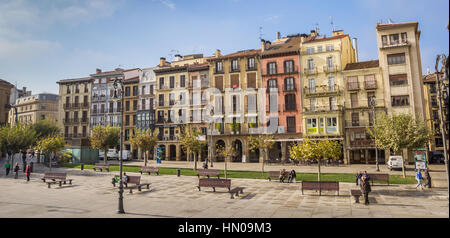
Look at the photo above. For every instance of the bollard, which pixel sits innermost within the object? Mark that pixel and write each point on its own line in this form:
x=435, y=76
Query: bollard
x=31, y=166
x=82, y=166
x=178, y=172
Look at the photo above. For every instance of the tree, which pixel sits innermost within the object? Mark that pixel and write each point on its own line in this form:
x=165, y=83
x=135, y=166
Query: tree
x=308, y=150
x=145, y=140
x=43, y=129
x=104, y=138
x=225, y=152
x=190, y=141
x=262, y=143
x=399, y=132
x=16, y=138
x=50, y=146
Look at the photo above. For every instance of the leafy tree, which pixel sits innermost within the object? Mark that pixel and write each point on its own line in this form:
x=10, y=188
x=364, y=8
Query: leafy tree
x=104, y=138
x=262, y=143
x=16, y=138
x=50, y=146
x=225, y=152
x=145, y=140
x=191, y=143
x=308, y=150
x=399, y=132
x=43, y=129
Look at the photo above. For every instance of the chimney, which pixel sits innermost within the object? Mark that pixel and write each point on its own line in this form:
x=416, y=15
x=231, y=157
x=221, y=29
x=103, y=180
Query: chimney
x=178, y=57
x=278, y=35
x=97, y=71
x=268, y=44
x=217, y=53
x=313, y=34
x=24, y=90
x=263, y=45
x=338, y=33
x=162, y=61
x=355, y=47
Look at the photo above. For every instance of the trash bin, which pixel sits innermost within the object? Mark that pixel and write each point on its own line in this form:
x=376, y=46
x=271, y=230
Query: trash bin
x=178, y=172
x=31, y=166
x=82, y=166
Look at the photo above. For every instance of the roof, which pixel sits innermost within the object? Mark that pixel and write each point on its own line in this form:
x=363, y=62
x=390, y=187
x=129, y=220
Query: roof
x=6, y=82
x=393, y=25
x=75, y=80
x=326, y=39
x=292, y=44
x=242, y=53
x=198, y=67
x=363, y=65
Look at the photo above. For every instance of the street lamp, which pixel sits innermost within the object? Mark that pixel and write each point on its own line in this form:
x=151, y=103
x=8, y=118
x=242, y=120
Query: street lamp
x=211, y=112
x=373, y=104
x=116, y=98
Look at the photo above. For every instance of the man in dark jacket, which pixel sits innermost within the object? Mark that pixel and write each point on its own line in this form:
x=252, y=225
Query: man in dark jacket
x=365, y=189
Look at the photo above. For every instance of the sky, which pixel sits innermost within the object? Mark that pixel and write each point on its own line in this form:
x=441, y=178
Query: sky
x=43, y=41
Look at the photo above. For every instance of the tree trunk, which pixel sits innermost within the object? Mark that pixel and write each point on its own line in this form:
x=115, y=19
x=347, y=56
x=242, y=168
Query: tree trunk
x=50, y=161
x=403, y=166
x=105, y=156
x=226, y=167
x=146, y=154
x=318, y=175
x=38, y=154
x=195, y=161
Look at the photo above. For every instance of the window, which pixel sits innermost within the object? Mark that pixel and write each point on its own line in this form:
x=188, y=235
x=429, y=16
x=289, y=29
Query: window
x=290, y=121
x=352, y=83
x=310, y=65
x=182, y=98
x=172, y=81
x=333, y=103
x=289, y=66
x=399, y=79
x=400, y=100
x=272, y=67
x=355, y=119
x=394, y=39
x=127, y=91
x=331, y=84
x=151, y=89
x=312, y=103
x=371, y=99
x=127, y=106
x=135, y=102
x=251, y=63
x=143, y=90
x=234, y=65
x=161, y=83
x=331, y=124
x=396, y=58
x=219, y=66
x=319, y=48
x=311, y=125
x=404, y=37
x=160, y=116
x=384, y=40
x=330, y=63
x=236, y=103
x=218, y=105
x=272, y=83
x=171, y=99
x=330, y=47
x=183, y=81
x=289, y=102
x=161, y=100
x=135, y=90
x=127, y=120
x=289, y=84
x=251, y=103
x=310, y=50
x=171, y=116
x=312, y=85
x=143, y=104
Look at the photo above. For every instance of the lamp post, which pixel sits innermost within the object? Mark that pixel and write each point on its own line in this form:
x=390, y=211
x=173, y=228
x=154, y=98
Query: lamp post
x=116, y=98
x=211, y=112
x=373, y=104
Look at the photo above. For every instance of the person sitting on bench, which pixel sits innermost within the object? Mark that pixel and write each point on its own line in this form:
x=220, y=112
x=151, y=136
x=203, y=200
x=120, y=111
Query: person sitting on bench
x=282, y=175
x=292, y=176
x=125, y=179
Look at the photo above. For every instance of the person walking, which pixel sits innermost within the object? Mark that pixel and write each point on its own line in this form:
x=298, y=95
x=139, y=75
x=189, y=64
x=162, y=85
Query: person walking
x=16, y=170
x=365, y=189
x=358, y=177
x=428, y=177
x=7, y=167
x=419, y=179
x=28, y=172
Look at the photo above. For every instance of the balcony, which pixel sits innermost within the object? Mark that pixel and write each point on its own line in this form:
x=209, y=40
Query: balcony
x=97, y=98
x=234, y=70
x=251, y=67
x=372, y=84
x=308, y=71
x=322, y=90
x=319, y=109
x=358, y=123
x=352, y=86
x=85, y=105
x=290, y=107
x=76, y=105
x=362, y=143
x=330, y=69
x=289, y=89
x=66, y=105
x=364, y=104
x=84, y=120
x=395, y=44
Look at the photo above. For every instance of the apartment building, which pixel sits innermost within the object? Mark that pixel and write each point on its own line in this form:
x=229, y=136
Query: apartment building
x=364, y=99
x=131, y=78
x=105, y=110
x=30, y=109
x=280, y=61
x=5, y=92
x=235, y=98
x=73, y=108
x=322, y=60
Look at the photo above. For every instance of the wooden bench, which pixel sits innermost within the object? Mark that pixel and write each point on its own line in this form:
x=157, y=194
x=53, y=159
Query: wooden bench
x=276, y=174
x=356, y=193
x=207, y=182
x=149, y=169
x=101, y=167
x=322, y=185
x=136, y=180
x=208, y=172
x=379, y=177
x=62, y=177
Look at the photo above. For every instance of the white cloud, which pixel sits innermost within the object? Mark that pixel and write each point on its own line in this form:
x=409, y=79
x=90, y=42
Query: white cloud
x=168, y=3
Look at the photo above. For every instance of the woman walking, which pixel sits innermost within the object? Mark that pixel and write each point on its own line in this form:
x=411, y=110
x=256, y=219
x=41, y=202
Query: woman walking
x=28, y=172
x=16, y=170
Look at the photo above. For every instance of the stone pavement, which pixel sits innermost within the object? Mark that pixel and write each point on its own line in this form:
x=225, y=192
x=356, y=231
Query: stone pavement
x=92, y=195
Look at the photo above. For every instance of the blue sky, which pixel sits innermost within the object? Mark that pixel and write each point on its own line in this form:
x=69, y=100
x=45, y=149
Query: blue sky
x=44, y=41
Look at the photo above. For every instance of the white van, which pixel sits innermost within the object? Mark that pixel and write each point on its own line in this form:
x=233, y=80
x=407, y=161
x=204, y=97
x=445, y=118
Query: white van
x=126, y=155
x=395, y=162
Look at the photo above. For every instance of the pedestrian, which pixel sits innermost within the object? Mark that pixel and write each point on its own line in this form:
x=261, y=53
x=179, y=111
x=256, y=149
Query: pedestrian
x=358, y=177
x=419, y=179
x=428, y=177
x=24, y=160
x=365, y=189
x=16, y=170
x=205, y=164
x=366, y=175
x=292, y=177
x=282, y=175
x=125, y=179
x=9, y=154
x=7, y=167
x=28, y=172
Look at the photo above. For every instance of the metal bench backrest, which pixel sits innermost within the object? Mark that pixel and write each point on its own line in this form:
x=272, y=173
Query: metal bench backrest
x=55, y=175
x=214, y=182
x=208, y=171
x=134, y=179
x=379, y=177
x=149, y=169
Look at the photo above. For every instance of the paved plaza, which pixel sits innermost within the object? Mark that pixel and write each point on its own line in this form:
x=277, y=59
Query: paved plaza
x=92, y=195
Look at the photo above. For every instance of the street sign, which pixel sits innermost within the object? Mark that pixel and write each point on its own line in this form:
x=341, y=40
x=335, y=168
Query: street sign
x=420, y=158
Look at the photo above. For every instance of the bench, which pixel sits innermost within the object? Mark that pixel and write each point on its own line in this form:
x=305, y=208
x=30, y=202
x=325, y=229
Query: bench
x=62, y=177
x=322, y=185
x=276, y=174
x=101, y=167
x=379, y=177
x=208, y=172
x=356, y=193
x=207, y=182
x=236, y=191
x=149, y=169
x=136, y=180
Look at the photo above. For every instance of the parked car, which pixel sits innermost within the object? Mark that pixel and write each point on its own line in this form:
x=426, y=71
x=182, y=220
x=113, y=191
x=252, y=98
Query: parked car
x=395, y=162
x=126, y=155
x=111, y=154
